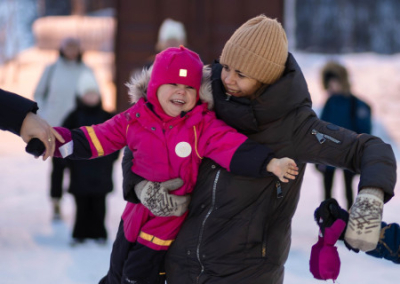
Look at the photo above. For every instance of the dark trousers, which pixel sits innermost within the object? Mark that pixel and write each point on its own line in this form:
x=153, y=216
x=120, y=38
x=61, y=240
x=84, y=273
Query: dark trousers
x=57, y=176
x=134, y=263
x=90, y=217
x=329, y=175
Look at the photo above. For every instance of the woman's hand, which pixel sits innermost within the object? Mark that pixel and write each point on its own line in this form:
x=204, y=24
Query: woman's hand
x=35, y=127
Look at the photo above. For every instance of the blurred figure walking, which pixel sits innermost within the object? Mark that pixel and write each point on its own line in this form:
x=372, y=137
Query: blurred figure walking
x=56, y=97
x=343, y=109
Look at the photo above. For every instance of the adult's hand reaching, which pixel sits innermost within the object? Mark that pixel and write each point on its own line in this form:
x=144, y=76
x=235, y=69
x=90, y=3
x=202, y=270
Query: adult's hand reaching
x=35, y=127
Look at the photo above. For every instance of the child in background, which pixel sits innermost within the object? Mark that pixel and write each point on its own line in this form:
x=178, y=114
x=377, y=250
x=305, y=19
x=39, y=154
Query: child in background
x=346, y=110
x=169, y=132
x=90, y=180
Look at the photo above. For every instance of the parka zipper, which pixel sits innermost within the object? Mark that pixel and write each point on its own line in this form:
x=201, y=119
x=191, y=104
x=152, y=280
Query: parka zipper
x=321, y=137
x=214, y=190
x=279, y=193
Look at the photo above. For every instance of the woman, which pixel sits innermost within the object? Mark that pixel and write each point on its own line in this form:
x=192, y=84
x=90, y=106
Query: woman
x=238, y=229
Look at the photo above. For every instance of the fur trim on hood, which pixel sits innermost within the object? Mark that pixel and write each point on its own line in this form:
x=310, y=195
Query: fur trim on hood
x=334, y=70
x=137, y=86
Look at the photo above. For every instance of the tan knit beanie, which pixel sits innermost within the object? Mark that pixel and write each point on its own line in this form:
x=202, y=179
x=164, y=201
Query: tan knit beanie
x=259, y=49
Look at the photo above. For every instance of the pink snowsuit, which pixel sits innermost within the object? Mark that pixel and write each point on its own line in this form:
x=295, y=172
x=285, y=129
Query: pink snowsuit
x=162, y=151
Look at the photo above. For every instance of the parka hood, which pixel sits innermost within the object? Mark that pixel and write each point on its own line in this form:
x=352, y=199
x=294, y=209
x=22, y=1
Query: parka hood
x=138, y=83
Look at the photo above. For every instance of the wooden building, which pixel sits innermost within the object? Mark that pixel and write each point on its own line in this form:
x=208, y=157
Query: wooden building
x=208, y=23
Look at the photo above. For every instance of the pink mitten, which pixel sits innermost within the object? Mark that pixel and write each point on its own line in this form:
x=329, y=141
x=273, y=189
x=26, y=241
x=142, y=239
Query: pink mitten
x=324, y=259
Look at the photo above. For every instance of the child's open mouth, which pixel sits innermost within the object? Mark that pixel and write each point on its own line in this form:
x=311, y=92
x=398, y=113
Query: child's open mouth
x=178, y=102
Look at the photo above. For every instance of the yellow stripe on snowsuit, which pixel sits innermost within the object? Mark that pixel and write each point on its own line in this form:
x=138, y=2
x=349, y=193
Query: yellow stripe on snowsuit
x=95, y=141
x=154, y=239
x=195, y=143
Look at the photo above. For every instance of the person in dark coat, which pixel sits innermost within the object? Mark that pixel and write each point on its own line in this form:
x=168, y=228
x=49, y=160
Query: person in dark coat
x=345, y=110
x=238, y=229
x=18, y=116
x=90, y=180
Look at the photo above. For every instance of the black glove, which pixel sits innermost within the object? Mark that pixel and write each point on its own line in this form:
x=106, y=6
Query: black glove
x=35, y=147
x=327, y=213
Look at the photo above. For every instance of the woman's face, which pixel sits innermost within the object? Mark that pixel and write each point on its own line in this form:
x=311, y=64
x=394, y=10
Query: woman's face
x=71, y=50
x=238, y=84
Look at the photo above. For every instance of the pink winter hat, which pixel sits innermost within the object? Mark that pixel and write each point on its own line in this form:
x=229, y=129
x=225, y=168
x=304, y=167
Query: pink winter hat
x=174, y=66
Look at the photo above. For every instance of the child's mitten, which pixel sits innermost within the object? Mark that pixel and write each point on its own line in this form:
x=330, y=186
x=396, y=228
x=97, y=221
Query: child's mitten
x=157, y=198
x=324, y=259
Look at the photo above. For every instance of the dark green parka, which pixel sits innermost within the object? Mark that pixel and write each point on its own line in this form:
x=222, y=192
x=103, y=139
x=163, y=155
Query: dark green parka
x=239, y=228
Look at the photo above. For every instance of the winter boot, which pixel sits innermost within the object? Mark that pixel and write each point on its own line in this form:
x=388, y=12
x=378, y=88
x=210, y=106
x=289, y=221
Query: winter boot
x=56, y=209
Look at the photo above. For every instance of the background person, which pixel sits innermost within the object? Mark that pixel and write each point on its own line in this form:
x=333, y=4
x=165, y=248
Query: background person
x=90, y=180
x=346, y=110
x=56, y=96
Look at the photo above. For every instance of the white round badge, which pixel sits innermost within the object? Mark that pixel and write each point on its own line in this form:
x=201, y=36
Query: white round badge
x=183, y=149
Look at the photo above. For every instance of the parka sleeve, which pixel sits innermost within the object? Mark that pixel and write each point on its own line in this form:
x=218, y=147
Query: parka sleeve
x=234, y=151
x=320, y=142
x=13, y=110
x=389, y=243
x=94, y=141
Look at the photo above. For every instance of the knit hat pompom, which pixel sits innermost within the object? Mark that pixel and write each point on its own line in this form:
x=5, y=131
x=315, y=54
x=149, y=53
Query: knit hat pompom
x=258, y=48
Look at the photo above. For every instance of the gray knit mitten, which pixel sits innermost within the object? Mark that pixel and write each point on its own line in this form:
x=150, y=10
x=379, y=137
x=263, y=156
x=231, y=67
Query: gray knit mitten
x=364, y=225
x=157, y=198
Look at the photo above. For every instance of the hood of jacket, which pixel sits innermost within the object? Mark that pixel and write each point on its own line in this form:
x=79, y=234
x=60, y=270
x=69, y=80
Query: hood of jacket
x=277, y=100
x=138, y=83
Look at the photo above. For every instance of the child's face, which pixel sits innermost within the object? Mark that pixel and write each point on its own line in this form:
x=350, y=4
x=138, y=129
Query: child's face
x=175, y=98
x=238, y=84
x=334, y=86
x=91, y=98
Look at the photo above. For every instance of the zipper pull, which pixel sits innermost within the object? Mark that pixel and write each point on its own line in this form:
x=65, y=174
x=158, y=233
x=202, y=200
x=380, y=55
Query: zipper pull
x=279, y=193
x=320, y=137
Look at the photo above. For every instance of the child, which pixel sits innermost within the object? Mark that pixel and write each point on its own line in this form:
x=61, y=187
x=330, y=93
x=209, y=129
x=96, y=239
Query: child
x=332, y=221
x=90, y=181
x=345, y=110
x=169, y=133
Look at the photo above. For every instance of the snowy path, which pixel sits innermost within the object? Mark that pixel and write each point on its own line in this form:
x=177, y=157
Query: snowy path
x=35, y=250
